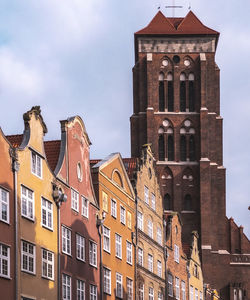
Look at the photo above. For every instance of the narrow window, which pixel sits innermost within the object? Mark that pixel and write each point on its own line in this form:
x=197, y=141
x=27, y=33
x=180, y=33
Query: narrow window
x=191, y=96
x=153, y=201
x=80, y=247
x=119, y=288
x=47, y=264
x=85, y=207
x=118, y=246
x=187, y=203
x=176, y=254
x=161, y=92
x=66, y=240
x=150, y=263
x=129, y=289
x=183, y=290
x=140, y=220
x=146, y=194
x=105, y=201
x=129, y=253
x=161, y=148
x=47, y=214
x=150, y=293
x=28, y=257
x=123, y=215
x=93, y=254
x=170, y=92
x=150, y=228
x=183, y=148
x=167, y=202
x=106, y=239
x=106, y=281
x=129, y=219
x=191, y=148
x=74, y=200
x=113, y=208
x=4, y=206
x=160, y=296
x=140, y=256
x=159, y=235
x=183, y=92
x=177, y=288
x=159, y=268
x=36, y=164
x=93, y=292
x=170, y=285
x=141, y=291
x=66, y=287
x=27, y=203
x=80, y=290
x=191, y=291
x=170, y=148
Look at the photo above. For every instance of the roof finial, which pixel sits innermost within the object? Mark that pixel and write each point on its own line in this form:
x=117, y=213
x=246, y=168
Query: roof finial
x=173, y=6
x=189, y=7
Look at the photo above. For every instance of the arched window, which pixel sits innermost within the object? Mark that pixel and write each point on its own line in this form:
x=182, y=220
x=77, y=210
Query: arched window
x=170, y=148
x=170, y=92
x=191, y=96
x=187, y=205
x=161, y=92
x=167, y=202
x=183, y=148
x=191, y=148
x=182, y=92
x=161, y=147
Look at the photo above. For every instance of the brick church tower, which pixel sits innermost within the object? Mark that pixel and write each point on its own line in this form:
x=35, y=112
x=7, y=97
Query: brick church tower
x=177, y=110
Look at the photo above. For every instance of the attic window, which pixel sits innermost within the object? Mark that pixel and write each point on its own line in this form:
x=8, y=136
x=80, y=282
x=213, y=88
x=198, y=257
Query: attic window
x=79, y=171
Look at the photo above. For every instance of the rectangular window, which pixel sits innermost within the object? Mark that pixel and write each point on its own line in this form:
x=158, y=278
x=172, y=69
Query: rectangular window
x=47, y=264
x=140, y=220
x=4, y=261
x=150, y=262
x=159, y=235
x=93, y=292
x=28, y=257
x=196, y=295
x=113, y=208
x=177, y=288
x=146, y=198
x=119, y=288
x=106, y=281
x=153, y=201
x=74, y=200
x=141, y=291
x=140, y=256
x=105, y=206
x=80, y=247
x=66, y=287
x=160, y=296
x=123, y=215
x=85, y=207
x=129, y=220
x=118, y=246
x=129, y=289
x=170, y=285
x=80, y=290
x=129, y=253
x=4, y=206
x=150, y=293
x=183, y=290
x=36, y=164
x=159, y=268
x=47, y=214
x=66, y=240
x=106, y=239
x=150, y=228
x=27, y=203
x=201, y=296
x=191, y=292
x=176, y=253
x=92, y=253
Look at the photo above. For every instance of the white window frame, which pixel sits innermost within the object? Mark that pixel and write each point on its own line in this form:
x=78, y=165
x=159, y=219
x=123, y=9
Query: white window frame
x=80, y=247
x=36, y=164
x=201, y=295
x=106, y=239
x=29, y=257
x=119, y=286
x=47, y=209
x=93, y=292
x=4, y=260
x=140, y=256
x=123, y=215
x=146, y=194
x=159, y=268
x=170, y=285
x=160, y=296
x=140, y=220
x=66, y=240
x=150, y=263
x=85, y=207
x=141, y=291
x=113, y=208
x=66, y=287
x=93, y=253
x=129, y=289
x=159, y=235
x=129, y=252
x=183, y=290
x=74, y=200
x=28, y=203
x=106, y=281
x=129, y=219
x=191, y=292
x=118, y=246
x=153, y=201
x=150, y=229
x=196, y=294
x=47, y=264
x=177, y=288
x=4, y=206
x=80, y=289
x=176, y=254
x=150, y=293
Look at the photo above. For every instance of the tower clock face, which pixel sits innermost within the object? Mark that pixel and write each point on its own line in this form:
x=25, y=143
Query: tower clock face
x=187, y=62
x=165, y=62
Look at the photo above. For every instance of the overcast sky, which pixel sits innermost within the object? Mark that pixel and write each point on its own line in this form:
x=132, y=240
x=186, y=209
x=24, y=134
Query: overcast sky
x=75, y=57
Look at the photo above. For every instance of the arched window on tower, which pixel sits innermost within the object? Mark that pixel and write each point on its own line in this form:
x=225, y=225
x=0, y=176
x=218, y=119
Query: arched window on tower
x=191, y=96
x=183, y=147
x=170, y=92
x=187, y=203
x=182, y=92
x=170, y=147
x=161, y=92
x=167, y=202
x=191, y=148
x=161, y=145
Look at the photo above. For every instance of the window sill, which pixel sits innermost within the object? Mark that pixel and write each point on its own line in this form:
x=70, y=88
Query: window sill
x=79, y=259
x=47, y=278
x=5, y=277
x=48, y=228
x=28, y=272
x=29, y=219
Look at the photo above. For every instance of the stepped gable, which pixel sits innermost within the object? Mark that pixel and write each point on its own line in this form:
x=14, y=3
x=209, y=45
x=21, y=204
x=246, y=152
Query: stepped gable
x=15, y=139
x=52, y=151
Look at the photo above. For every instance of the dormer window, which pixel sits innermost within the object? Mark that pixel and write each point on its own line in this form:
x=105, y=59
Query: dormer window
x=36, y=164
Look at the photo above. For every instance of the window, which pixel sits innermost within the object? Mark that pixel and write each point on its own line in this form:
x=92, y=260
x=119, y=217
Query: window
x=177, y=288
x=118, y=246
x=119, y=290
x=28, y=257
x=187, y=203
x=191, y=292
x=47, y=214
x=182, y=92
x=183, y=290
x=129, y=253
x=74, y=200
x=122, y=215
x=85, y=207
x=150, y=293
x=129, y=220
x=153, y=201
x=160, y=296
x=196, y=271
x=93, y=292
x=113, y=208
x=161, y=92
x=92, y=253
x=159, y=268
x=140, y=256
x=106, y=239
x=129, y=289
x=146, y=199
x=170, y=92
x=27, y=203
x=140, y=220
x=167, y=202
x=106, y=281
x=161, y=148
x=36, y=164
x=4, y=206
x=80, y=247
x=66, y=287
x=4, y=261
x=170, y=285
x=159, y=235
x=150, y=228
x=150, y=262
x=141, y=291
x=170, y=148
x=47, y=264
x=66, y=240
x=191, y=95
x=196, y=295
x=201, y=296
x=80, y=290
x=192, y=148
x=176, y=253
x=183, y=148
x=105, y=206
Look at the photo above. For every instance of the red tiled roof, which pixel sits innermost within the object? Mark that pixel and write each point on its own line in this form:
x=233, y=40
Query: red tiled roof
x=94, y=161
x=15, y=140
x=130, y=166
x=162, y=25
x=52, y=151
x=186, y=249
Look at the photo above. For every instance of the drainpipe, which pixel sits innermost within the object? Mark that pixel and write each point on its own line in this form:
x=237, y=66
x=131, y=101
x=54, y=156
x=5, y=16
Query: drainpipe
x=165, y=259
x=135, y=241
x=99, y=225
x=59, y=251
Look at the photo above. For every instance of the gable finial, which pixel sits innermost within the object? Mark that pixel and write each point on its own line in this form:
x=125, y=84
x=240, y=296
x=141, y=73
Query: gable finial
x=173, y=6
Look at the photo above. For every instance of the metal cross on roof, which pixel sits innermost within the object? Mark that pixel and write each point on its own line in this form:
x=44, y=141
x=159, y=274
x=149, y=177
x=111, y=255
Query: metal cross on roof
x=173, y=6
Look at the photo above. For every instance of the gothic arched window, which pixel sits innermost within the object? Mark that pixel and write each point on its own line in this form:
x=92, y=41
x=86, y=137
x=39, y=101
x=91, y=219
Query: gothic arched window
x=161, y=92
x=161, y=147
x=182, y=92
x=167, y=202
x=192, y=148
x=170, y=92
x=191, y=96
x=187, y=204
x=183, y=148
x=170, y=148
